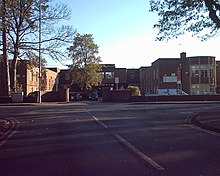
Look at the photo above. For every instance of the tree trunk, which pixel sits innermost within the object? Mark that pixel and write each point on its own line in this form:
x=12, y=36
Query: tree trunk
x=13, y=73
x=14, y=63
x=5, y=56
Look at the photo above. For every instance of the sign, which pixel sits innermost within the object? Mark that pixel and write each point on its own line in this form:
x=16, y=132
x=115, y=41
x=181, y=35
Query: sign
x=116, y=80
x=169, y=79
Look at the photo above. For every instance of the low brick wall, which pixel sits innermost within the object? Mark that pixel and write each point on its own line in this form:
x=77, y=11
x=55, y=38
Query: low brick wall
x=175, y=98
x=109, y=95
x=5, y=99
x=121, y=95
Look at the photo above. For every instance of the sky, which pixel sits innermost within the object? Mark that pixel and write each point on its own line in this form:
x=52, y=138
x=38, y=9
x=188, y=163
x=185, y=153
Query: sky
x=123, y=30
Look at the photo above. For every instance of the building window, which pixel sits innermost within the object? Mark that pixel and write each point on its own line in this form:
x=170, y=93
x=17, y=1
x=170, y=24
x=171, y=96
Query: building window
x=202, y=73
x=195, y=73
x=206, y=73
x=31, y=76
x=211, y=73
x=109, y=75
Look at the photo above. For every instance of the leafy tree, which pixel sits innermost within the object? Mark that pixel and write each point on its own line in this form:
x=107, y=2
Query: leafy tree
x=85, y=68
x=200, y=17
x=22, y=19
x=135, y=90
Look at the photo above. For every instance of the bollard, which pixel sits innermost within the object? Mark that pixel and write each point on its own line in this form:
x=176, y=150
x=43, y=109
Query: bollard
x=67, y=92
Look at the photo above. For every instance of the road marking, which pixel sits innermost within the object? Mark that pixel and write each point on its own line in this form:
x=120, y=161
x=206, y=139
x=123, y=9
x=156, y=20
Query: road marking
x=189, y=123
x=132, y=148
x=139, y=153
x=204, y=130
x=13, y=129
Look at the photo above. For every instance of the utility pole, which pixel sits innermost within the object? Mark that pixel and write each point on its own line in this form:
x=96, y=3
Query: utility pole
x=5, y=69
x=39, y=83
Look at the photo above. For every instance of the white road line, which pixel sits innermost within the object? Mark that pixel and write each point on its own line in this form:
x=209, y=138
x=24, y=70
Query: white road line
x=204, y=130
x=100, y=123
x=132, y=148
x=139, y=153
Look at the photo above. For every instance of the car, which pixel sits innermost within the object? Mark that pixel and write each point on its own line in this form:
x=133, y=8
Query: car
x=75, y=96
x=93, y=96
x=209, y=93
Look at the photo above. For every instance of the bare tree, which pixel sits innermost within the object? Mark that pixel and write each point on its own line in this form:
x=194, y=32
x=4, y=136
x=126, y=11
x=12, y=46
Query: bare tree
x=23, y=30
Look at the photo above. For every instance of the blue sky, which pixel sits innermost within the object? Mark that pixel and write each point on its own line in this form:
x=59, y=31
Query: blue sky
x=123, y=30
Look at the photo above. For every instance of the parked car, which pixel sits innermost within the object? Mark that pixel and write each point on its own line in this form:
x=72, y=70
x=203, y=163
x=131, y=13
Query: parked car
x=93, y=96
x=75, y=96
x=209, y=93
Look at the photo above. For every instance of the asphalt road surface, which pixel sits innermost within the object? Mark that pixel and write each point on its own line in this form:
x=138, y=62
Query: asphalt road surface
x=107, y=139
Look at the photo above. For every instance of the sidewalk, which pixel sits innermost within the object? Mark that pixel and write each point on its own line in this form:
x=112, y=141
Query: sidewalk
x=209, y=120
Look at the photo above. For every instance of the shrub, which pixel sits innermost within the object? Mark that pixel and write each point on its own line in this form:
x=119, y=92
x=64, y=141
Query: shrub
x=135, y=90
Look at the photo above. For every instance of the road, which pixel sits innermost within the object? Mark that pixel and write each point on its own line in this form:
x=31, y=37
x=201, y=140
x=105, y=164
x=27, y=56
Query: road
x=108, y=139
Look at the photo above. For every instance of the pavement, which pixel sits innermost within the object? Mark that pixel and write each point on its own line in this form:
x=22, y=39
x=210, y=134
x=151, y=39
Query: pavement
x=209, y=120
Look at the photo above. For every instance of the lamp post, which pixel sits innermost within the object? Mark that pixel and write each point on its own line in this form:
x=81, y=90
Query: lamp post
x=39, y=83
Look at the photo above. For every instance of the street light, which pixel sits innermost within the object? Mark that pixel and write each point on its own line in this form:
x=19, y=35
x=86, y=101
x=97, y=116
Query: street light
x=39, y=84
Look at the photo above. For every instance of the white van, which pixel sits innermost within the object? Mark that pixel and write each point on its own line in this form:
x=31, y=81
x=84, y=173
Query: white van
x=171, y=92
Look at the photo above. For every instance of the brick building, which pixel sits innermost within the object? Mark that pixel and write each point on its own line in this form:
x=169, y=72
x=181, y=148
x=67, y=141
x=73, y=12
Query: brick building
x=163, y=73
x=27, y=77
x=194, y=75
x=218, y=77
x=109, y=73
x=199, y=74
x=50, y=79
x=28, y=81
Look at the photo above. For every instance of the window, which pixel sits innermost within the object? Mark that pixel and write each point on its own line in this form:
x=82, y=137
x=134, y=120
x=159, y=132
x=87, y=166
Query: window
x=206, y=73
x=31, y=76
x=109, y=75
x=211, y=73
x=202, y=73
x=195, y=71
x=36, y=77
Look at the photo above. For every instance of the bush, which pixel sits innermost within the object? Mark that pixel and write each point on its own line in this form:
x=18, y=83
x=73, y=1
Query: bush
x=135, y=90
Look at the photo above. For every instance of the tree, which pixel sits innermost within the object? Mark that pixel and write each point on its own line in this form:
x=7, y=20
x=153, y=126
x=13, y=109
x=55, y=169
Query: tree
x=23, y=19
x=135, y=90
x=200, y=17
x=34, y=60
x=85, y=68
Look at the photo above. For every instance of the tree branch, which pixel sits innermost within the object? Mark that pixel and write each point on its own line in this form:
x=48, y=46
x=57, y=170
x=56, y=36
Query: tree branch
x=210, y=4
